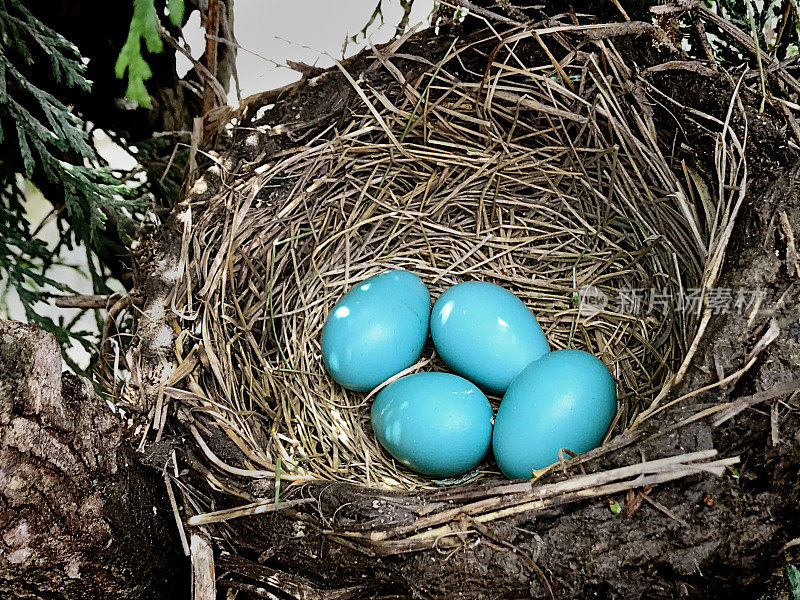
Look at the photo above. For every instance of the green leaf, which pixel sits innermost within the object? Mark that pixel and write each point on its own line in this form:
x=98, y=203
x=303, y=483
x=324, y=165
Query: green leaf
x=25, y=150
x=614, y=507
x=175, y=8
x=793, y=575
x=52, y=143
x=144, y=26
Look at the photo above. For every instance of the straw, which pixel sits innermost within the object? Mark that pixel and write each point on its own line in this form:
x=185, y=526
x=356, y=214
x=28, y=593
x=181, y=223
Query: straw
x=510, y=176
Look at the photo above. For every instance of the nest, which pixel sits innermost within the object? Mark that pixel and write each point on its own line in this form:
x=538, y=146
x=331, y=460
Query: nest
x=547, y=178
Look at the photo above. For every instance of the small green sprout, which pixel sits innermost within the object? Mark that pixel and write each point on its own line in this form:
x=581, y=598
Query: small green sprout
x=614, y=506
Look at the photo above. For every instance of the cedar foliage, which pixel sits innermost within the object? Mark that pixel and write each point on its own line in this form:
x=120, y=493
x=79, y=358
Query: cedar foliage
x=43, y=141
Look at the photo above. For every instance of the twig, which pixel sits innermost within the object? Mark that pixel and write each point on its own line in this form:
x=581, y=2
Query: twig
x=700, y=30
x=621, y=10
x=671, y=9
x=787, y=7
x=792, y=255
x=121, y=304
x=254, y=590
x=87, y=301
x=212, y=30
x=656, y=504
x=203, y=577
x=577, y=496
x=238, y=46
x=54, y=212
x=682, y=65
x=522, y=492
x=176, y=513
x=792, y=121
x=774, y=431
x=734, y=408
x=199, y=67
x=754, y=33
x=485, y=13
x=247, y=510
x=790, y=544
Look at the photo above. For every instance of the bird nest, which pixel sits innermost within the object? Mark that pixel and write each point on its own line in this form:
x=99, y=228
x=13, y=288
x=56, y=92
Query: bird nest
x=547, y=178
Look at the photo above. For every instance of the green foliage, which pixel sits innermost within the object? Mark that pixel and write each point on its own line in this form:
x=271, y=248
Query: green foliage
x=377, y=12
x=775, y=25
x=144, y=26
x=175, y=8
x=43, y=141
x=793, y=574
x=21, y=261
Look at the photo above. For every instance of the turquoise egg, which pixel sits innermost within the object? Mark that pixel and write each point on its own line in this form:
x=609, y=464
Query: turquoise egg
x=376, y=330
x=438, y=424
x=565, y=399
x=486, y=334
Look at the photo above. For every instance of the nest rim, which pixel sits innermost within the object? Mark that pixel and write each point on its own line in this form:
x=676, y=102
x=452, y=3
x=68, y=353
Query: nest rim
x=235, y=416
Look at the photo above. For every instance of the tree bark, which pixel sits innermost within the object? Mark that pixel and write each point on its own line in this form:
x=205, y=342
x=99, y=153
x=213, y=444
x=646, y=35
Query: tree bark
x=79, y=517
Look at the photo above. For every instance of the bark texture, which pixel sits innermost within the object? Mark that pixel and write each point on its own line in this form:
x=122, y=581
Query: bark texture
x=79, y=518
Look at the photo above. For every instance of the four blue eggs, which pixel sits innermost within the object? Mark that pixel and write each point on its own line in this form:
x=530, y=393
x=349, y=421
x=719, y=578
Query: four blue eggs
x=440, y=424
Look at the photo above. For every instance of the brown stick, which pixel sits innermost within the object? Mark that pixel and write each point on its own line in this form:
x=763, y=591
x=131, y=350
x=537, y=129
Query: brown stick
x=212, y=30
x=737, y=406
x=485, y=13
x=87, y=301
x=700, y=30
x=203, y=573
x=517, y=493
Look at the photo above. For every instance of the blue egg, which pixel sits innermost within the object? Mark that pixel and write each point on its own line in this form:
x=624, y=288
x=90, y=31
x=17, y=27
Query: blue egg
x=486, y=334
x=376, y=330
x=565, y=399
x=438, y=424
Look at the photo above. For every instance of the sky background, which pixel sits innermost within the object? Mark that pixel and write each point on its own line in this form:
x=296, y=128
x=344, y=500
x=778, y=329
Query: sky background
x=269, y=32
x=299, y=30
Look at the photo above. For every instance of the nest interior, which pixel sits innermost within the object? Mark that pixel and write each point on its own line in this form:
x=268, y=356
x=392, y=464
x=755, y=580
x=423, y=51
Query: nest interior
x=547, y=178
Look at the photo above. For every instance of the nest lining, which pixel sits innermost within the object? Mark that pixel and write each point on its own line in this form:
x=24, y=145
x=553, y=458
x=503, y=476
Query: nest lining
x=541, y=184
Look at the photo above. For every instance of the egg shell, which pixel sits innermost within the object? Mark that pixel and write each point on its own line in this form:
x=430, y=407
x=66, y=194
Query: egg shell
x=376, y=330
x=565, y=399
x=438, y=424
x=486, y=334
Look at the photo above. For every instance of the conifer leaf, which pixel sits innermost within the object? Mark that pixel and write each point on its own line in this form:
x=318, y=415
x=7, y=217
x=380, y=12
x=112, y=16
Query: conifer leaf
x=52, y=143
x=144, y=27
x=25, y=150
x=175, y=8
x=793, y=574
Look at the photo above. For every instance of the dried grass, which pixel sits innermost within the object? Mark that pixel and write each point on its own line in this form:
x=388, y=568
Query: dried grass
x=517, y=176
